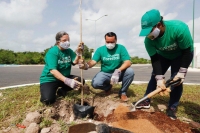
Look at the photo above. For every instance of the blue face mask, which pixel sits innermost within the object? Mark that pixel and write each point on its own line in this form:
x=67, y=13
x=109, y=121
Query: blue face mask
x=65, y=45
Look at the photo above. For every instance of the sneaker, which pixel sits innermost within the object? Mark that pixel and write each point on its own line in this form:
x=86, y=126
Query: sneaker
x=171, y=112
x=143, y=105
x=124, y=98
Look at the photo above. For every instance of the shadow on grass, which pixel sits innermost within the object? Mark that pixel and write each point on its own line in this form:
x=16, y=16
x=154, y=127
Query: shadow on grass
x=192, y=110
x=115, y=90
x=186, y=109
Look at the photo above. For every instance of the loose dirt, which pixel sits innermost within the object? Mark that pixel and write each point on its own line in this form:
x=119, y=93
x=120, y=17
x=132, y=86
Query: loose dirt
x=145, y=122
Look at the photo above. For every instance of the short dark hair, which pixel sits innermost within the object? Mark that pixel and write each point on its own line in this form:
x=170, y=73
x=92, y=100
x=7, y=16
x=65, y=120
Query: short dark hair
x=111, y=34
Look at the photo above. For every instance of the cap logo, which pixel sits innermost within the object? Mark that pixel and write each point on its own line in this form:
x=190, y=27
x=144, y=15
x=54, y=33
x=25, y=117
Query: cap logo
x=145, y=23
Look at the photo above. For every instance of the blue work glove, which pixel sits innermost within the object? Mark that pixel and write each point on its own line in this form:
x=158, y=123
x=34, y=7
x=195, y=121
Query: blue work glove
x=73, y=83
x=180, y=75
x=115, y=76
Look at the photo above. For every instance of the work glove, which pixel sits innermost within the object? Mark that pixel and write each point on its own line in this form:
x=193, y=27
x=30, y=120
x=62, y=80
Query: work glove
x=160, y=82
x=80, y=48
x=180, y=75
x=82, y=64
x=73, y=83
x=115, y=76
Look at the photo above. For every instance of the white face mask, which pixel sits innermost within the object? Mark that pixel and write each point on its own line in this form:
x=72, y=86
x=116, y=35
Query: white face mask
x=65, y=45
x=110, y=45
x=154, y=34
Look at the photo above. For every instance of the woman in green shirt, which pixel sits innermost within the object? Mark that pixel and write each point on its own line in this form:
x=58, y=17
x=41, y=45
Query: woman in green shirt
x=56, y=73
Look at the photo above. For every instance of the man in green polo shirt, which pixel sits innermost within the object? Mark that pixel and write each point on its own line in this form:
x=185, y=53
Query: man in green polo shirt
x=115, y=66
x=169, y=44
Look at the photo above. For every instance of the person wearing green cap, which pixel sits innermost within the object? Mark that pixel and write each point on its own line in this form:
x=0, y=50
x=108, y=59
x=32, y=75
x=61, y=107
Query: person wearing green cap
x=169, y=44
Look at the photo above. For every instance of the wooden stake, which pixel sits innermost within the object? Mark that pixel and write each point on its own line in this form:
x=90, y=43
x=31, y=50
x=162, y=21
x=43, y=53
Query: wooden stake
x=82, y=51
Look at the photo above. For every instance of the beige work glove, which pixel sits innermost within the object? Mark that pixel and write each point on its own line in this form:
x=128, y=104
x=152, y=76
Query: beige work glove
x=160, y=82
x=180, y=75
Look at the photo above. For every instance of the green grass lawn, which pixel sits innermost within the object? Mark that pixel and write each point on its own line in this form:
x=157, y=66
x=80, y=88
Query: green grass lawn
x=16, y=102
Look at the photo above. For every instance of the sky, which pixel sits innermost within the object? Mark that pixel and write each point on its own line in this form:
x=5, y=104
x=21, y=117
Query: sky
x=31, y=25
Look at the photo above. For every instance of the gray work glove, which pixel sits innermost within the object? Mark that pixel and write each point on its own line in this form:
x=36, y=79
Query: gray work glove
x=82, y=64
x=180, y=75
x=73, y=83
x=115, y=76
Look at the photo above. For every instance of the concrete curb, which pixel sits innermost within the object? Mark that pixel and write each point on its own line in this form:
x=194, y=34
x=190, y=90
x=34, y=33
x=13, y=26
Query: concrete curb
x=134, y=82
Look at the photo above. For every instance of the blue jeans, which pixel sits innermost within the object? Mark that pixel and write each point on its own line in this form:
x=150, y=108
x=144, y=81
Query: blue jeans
x=102, y=80
x=176, y=92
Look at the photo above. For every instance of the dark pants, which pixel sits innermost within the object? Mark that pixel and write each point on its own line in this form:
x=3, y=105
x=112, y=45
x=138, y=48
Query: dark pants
x=176, y=92
x=48, y=90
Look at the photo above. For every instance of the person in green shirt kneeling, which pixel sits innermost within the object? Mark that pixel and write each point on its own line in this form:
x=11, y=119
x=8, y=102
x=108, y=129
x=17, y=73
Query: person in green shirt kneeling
x=56, y=73
x=115, y=66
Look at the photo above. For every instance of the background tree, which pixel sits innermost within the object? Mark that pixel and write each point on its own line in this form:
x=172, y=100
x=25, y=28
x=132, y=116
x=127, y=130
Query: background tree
x=27, y=57
x=86, y=52
x=137, y=60
x=7, y=56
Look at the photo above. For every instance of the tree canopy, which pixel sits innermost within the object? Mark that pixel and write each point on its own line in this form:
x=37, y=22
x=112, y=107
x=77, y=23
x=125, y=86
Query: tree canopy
x=20, y=58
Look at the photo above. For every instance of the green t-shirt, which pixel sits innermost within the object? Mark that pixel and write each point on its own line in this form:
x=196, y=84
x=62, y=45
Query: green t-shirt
x=176, y=37
x=111, y=59
x=59, y=60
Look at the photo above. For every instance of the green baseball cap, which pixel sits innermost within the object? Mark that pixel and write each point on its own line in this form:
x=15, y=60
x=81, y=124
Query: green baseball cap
x=148, y=21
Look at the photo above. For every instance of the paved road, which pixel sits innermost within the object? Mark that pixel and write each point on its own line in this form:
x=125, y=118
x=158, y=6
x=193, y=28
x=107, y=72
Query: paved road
x=16, y=75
